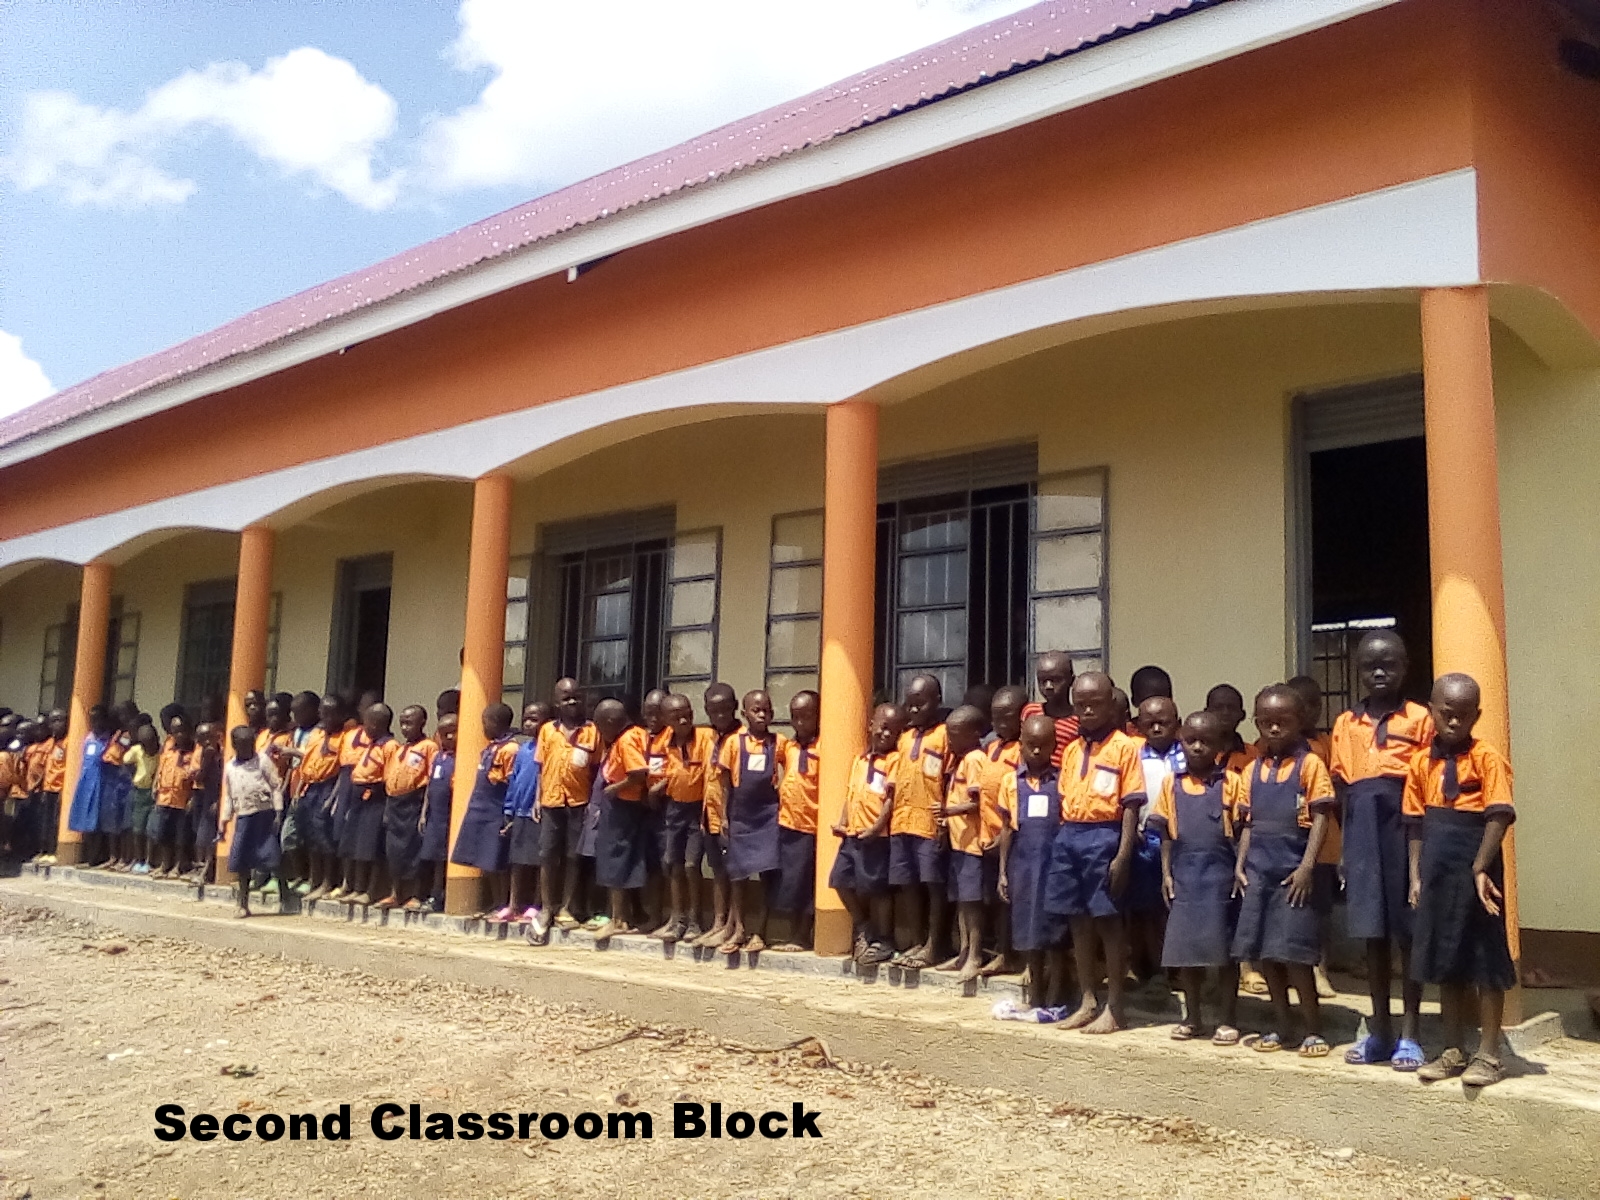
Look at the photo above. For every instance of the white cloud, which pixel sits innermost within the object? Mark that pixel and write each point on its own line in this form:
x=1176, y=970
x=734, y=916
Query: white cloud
x=306, y=112
x=577, y=88
x=22, y=381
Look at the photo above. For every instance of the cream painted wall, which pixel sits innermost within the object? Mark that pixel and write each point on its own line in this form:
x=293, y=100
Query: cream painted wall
x=1549, y=442
x=29, y=604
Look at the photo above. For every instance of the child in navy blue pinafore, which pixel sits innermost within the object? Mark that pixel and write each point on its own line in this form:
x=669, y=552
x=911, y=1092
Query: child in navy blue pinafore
x=1285, y=807
x=1193, y=813
x=1032, y=801
x=84, y=814
x=479, y=841
x=749, y=762
x=436, y=813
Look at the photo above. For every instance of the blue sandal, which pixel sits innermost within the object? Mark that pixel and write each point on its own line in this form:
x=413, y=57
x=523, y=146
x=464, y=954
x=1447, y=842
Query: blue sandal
x=1407, y=1055
x=1370, y=1052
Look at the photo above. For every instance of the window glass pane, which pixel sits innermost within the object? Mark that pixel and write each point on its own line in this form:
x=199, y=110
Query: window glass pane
x=933, y=636
x=794, y=644
x=1070, y=503
x=1062, y=564
x=952, y=680
x=605, y=664
x=1066, y=623
x=516, y=665
x=689, y=653
x=52, y=639
x=932, y=531
x=933, y=579
x=1081, y=666
x=695, y=690
x=516, y=585
x=609, y=613
x=612, y=573
x=694, y=554
x=692, y=603
x=783, y=685
x=517, y=621
x=796, y=590
x=797, y=538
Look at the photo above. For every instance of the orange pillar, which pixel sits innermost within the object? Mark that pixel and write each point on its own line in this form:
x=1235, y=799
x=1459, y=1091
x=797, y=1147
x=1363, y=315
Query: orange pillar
x=482, y=663
x=247, y=669
x=849, y=548
x=1469, y=605
x=88, y=686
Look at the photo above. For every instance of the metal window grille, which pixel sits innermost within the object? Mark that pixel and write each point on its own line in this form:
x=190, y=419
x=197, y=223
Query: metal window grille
x=519, y=595
x=124, y=657
x=55, y=671
x=1069, y=580
x=207, y=643
x=794, y=608
x=1333, y=662
x=274, y=636
x=693, y=607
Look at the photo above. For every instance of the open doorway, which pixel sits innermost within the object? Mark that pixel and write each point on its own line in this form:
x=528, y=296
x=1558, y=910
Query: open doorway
x=1364, y=533
x=359, y=656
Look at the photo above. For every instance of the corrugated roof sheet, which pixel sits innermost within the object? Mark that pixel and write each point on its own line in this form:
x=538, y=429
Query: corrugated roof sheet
x=981, y=55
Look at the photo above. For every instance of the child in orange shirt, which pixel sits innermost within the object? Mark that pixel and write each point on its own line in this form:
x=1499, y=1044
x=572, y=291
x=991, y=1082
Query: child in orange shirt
x=918, y=849
x=861, y=871
x=720, y=703
x=1102, y=790
x=1228, y=703
x=793, y=893
x=1458, y=807
x=478, y=842
x=685, y=753
x=435, y=820
x=522, y=831
x=1285, y=809
x=569, y=757
x=963, y=818
x=405, y=783
x=748, y=764
x=1030, y=801
x=621, y=837
x=1004, y=754
x=363, y=844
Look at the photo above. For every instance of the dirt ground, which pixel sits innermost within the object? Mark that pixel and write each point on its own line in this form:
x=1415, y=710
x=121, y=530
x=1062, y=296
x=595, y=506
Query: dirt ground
x=97, y=1031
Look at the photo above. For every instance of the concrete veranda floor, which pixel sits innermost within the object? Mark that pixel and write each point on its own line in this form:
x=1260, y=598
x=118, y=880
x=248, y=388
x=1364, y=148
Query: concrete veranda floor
x=1540, y=1129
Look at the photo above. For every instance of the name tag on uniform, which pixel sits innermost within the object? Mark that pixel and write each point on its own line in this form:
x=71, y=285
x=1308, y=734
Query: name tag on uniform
x=438, y=772
x=932, y=766
x=756, y=762
x=1105, y=781
x=579, y=759
x=657, y=763
x=1038, y=804
x=877, y=784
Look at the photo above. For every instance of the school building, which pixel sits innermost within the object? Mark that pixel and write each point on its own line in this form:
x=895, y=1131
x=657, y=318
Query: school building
x=1159, y=331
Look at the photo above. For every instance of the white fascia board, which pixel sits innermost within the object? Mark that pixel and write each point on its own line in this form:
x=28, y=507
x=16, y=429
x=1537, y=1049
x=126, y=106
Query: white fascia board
x=1415, y=235
x=1172, y=48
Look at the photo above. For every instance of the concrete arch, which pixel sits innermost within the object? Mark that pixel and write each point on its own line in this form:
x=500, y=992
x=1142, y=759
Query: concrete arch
x=1389, y=242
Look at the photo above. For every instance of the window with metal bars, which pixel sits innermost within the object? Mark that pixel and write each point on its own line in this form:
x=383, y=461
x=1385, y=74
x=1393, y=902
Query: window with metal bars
x=207, y=644
x=59, y=664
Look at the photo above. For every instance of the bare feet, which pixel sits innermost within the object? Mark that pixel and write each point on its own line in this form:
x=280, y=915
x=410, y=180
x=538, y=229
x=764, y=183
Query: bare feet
x=320, y=893
x=1106, y=1022
x=755, y=945
x=389, y=901
x=954, y=963
x=997, y=965
x=1084, y=1015
x=970, y=971
x=714, y=936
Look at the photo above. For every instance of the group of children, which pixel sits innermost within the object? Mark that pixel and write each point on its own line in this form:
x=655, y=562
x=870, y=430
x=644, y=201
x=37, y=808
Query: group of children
x=1070, y=837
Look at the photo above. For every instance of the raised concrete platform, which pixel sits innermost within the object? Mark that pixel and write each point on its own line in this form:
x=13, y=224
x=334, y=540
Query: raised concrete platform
x=1539, y=1130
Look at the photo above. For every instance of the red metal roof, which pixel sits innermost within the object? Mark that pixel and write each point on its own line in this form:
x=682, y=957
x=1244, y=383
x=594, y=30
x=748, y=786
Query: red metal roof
x=981, y=55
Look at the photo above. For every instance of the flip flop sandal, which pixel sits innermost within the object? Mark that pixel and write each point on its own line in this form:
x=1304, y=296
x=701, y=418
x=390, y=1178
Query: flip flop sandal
x=1448, y=1065
x=1184, y=1033
x=1407, y=1056
x=875, y=954
x=1226, y=1035
x=1369, y=1052
x=1250, y=1040
x=1482, y=1071
x=1314, y=1047
x=1269, y=1043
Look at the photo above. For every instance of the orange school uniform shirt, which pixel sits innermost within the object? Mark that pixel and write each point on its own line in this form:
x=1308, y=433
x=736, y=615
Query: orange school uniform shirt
x=1315, y=795
x=871, y=776
x=966, y=829
x=629, y=753
x=919, y=781
x=1009, y=799
x=409, y=767
x=1000, y=759
x=729, y=756
x=1240, y=756
x=569, y=759
x=373, y=761
x=1066, y=729
x=797, y=790
x=13, y=773
x=1368, y=747
x=320, y=762
x=352, y=742
x=684, y=768
x=55, y=771
x=35, y=761
x=1475, y=780
x=1164, y=809
x=1100, y=779
x=177, y=773
x=716, y=800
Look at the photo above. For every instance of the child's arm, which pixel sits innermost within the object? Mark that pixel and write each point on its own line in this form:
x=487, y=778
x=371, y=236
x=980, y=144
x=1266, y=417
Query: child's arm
x=1493, y=834
x=1123, y=862
x=1240, y=880
x=1299, y=881
x=1414, y=861
x=1005, y=856
x=881, y=825
x=632, y=778
x=969, y=806
x=1167, y=889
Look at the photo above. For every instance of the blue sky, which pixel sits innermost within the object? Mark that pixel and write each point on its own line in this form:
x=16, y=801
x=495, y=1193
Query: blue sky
x=166, y=165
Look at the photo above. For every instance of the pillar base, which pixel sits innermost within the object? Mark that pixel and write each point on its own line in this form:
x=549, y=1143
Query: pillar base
x=833, y=932
x=68, y=854
x=463, y=895
x=221, y=876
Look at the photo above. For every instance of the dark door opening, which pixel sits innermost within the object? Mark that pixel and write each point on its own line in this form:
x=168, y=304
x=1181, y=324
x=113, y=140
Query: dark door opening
x=1369, y=561
x=359, y=657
